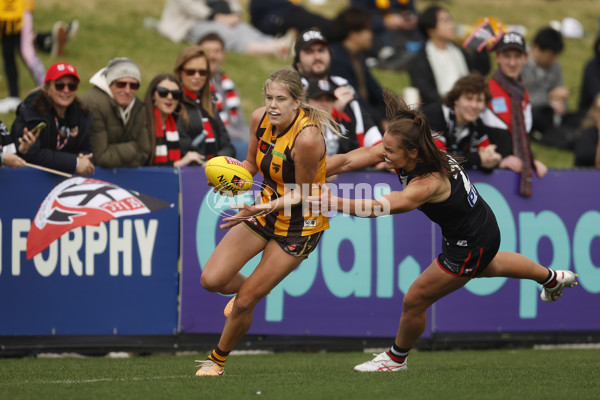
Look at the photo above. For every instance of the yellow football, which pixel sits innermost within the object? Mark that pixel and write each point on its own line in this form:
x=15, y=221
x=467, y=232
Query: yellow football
x=228, y=175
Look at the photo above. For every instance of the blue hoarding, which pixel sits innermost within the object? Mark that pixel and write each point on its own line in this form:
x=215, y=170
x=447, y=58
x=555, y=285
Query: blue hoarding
x=120, y=277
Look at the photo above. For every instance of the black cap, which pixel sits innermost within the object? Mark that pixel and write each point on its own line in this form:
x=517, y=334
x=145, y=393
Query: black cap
x=318, y=88
x=309, y=37
x=511, y=40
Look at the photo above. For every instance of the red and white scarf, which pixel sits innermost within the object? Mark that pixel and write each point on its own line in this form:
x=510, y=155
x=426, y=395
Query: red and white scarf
x=227, y=99
x=167, y=149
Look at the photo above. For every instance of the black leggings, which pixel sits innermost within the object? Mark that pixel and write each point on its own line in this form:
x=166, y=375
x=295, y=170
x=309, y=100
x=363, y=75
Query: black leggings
x=10, y=45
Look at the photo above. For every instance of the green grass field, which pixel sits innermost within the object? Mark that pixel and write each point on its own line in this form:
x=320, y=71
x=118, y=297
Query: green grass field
x=510, y=374
x=111, y=28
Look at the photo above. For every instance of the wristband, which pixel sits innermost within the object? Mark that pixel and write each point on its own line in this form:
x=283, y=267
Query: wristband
x=1, y=159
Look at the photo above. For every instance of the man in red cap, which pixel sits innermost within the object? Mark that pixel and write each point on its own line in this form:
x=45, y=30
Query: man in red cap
x=63, y=140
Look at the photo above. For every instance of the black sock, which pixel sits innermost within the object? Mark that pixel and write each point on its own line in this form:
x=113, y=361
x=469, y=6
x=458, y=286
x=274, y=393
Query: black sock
x=551, y=279
x=398, y=354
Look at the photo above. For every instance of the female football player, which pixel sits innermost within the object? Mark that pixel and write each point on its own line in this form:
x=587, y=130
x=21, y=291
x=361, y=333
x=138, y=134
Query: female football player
x=437, y=185
x=287, y=147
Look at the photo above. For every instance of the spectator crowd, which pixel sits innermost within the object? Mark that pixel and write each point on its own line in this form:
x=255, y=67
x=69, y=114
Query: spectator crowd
x=485, y=101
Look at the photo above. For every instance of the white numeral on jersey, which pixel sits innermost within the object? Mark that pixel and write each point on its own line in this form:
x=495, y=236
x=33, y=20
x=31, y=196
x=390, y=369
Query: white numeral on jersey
x=469, y=188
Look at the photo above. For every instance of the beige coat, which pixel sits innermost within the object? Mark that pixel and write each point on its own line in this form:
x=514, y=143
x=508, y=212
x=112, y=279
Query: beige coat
x=179, y=16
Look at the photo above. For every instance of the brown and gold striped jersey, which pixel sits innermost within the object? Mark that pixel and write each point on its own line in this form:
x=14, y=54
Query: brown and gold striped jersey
x=274, y=160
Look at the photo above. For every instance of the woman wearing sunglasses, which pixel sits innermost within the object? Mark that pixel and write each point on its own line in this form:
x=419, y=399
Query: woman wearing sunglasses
x=206, y=129
x=119, y=133
x=163, y=108
x=63, y=139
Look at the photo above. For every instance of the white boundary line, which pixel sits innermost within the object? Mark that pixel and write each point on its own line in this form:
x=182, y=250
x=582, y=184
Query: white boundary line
x=585, y=346
x=79, y=381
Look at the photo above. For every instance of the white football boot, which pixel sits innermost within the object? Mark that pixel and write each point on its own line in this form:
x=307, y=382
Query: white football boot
x=209, y=368
x=381, y=363
x=564, y=279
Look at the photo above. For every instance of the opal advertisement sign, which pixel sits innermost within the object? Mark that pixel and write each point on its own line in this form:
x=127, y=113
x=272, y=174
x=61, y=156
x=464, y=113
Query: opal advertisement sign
x=354, y=282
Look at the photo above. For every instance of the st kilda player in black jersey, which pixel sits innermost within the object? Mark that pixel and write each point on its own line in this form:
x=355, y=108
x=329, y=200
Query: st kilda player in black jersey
x=435, y=184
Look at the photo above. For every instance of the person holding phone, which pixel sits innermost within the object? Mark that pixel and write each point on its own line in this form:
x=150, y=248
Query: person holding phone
x=55, y=124
x=8, y=149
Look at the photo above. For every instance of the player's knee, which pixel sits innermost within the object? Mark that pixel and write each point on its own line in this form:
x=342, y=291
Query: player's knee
x=210, y=282
x=243, y=304
x=413, y=302
x=407, y=303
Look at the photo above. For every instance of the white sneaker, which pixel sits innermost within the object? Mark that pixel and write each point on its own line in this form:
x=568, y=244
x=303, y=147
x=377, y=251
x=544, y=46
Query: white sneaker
x=381, y=363
x=9, y=104
x=564, y=279
x=72, y=29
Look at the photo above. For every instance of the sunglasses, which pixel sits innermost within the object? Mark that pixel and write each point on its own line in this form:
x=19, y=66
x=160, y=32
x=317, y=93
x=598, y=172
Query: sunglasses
x=132, y=85
x=60, y=86
x=164, y=92
x=192, y=72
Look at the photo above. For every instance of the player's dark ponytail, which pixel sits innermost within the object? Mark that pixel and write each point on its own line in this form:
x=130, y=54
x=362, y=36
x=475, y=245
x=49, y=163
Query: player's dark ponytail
x=413, y=128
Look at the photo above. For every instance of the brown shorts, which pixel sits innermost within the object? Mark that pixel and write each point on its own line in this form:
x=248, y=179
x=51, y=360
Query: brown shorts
x=297, y=246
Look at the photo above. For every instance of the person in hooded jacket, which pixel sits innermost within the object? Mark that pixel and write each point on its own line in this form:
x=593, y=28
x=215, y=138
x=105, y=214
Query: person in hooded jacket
x=119, y=133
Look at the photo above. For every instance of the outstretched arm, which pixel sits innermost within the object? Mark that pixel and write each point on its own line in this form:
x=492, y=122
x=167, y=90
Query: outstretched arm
x=309, y=148
x=360, y=158
x=432, y=188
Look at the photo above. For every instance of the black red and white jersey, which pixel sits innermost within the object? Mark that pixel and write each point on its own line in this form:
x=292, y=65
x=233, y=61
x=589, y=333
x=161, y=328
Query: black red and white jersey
x=464, y=216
